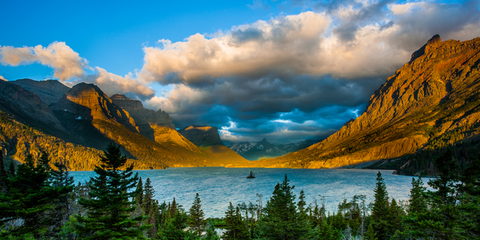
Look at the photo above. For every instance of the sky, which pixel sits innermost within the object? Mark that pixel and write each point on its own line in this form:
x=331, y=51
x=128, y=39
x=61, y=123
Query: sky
x=281, y=70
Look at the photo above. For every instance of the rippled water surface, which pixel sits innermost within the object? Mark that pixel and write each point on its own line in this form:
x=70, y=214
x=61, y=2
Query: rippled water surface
x=219, y=186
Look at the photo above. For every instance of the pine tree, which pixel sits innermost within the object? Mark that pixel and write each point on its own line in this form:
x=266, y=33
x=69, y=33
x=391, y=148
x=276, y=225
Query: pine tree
x=110, y=203
x=29, y=197
x=417, y=201
x=211, y=233
x=3, y=174
x=281, y=219
x=394, y=218
x=174, y=228
x=139, y=190
x=63, y=185
x=370, y=235
x=234, y=226
x=196, y=219
x=380, y=209
x=150, y=206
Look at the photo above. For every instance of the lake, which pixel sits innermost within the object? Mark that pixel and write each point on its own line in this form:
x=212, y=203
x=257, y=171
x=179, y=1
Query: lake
x=219, y=186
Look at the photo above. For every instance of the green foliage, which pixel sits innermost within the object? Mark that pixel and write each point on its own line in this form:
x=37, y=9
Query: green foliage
x=418, y=200
x=139, y=190
x=33, y=200
x=196, y=218
x=380, y=209
x=110, y=203
x=211, y=232
x=281, y=219
x=20, y=140
x=234, y=225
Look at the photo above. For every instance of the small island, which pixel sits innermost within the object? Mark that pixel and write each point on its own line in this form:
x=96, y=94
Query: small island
x=251, y=175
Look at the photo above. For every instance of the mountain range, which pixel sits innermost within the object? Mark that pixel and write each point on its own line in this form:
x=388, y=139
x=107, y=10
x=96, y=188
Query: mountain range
x=432, y=102
x=264, y=149
x=79, y=122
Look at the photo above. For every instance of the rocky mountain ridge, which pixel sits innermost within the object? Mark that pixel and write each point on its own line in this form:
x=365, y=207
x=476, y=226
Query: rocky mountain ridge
x=434, y=94
x=264, y=149
x=90, y=119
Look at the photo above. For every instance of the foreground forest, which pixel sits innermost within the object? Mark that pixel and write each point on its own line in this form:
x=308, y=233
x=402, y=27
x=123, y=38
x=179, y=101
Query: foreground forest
x=38, y=200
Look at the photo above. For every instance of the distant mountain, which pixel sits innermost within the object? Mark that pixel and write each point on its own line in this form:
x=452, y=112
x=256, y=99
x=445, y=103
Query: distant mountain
x=27, y=107
x=264, y=149
x=202, y=136
x=208, y=140
x=431, y=102
x=141, y=114
x=50, y=91
x=84, y=120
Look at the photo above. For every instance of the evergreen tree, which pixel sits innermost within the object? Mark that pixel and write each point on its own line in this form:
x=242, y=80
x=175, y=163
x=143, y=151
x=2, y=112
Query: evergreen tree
x=211, y=233
x=196, y=219
x=63, y=185
x=380, y=209
x=370, y=235
x=150, y=206
x=29, y=197
x=234, y=226
x=417, y=201
x=281, y=219
x=394, y=218
x=110, y=203
x=174, y=228
x=139, y=190
x=3, y=174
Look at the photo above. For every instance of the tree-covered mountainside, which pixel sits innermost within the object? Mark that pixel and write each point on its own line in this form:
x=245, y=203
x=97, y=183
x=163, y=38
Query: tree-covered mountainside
x=431, y=102
x=19, y=140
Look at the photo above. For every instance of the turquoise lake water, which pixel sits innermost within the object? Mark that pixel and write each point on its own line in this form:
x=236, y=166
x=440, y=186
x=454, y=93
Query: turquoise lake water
x=219, y=186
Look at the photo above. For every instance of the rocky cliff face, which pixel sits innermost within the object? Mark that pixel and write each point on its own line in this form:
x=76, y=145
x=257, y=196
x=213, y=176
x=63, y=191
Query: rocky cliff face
x=50, y=91
x=202, y=136
x=88, y=120
x=141, y=114
x=88, y=102
x=437, y=92
x=208, y=140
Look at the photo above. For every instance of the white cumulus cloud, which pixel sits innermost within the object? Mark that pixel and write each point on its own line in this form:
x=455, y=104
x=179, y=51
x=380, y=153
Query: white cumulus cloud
x=66, y=63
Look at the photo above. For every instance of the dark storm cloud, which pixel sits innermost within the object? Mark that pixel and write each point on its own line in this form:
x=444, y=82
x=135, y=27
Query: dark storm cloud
x=299, y=76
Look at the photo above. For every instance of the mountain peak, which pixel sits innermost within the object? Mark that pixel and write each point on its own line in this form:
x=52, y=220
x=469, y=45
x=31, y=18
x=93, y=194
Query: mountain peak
x=119, y=96
x=202, y=135
x=429, y=102
x=426, y=48
x=435, y=39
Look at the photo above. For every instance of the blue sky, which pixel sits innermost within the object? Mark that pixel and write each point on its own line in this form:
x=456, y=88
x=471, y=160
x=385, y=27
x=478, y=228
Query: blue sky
x=283, y=70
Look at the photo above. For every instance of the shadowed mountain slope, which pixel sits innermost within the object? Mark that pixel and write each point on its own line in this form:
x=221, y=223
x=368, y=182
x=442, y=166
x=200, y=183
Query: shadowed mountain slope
x=50, y=91
x=208, y=140
x=436, y=94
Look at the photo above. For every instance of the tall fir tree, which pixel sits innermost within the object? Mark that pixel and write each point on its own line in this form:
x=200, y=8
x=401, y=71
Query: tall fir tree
x=63, y=185
x=150, y=206
x=417, y=200
x=234, y=226
x=110, y=201
x=29, y=197
x=380, y=209
x=139, y=190
x=281, y=219
x=196, y=219
x=3, y=174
